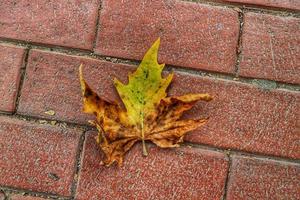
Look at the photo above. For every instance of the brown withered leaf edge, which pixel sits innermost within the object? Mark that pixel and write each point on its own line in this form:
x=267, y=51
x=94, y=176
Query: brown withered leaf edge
x=148, y=115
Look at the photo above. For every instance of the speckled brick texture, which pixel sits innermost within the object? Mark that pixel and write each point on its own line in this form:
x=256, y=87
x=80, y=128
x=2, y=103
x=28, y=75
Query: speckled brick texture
x=22, y=197
x=270, y=48
x=57, y=22
x=192, y=35
x=282, y=4
x=57, y=87
x=11, y=61
x=255, y=178
x=245, y=53
x=242, y=116
x=183, y=173
x=37, y=157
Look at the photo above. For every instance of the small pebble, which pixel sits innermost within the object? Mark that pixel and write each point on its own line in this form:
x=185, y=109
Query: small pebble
x=42, y=121
x=50, y=112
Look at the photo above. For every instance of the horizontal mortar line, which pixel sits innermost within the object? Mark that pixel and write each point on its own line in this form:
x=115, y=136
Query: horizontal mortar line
x=276, y=11
x=65, y=50
x=237, y=79
x=118, y=60
x=87, y=128
x=59, y=123
x=232, y=151
x=14, y=190
x=41, y=46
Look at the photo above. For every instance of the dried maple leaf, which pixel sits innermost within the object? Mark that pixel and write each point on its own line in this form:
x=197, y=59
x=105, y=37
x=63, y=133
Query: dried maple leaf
x=149, y=114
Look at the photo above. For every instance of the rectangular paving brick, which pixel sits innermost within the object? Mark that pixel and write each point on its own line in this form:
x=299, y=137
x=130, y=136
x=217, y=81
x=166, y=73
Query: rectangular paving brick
x=245, y=117
x=242, y=116
x=52, y=83
x=11, y=61
x=252, y=178
x=289, y=4
x=270, y=48
x=37, y=157
x=179, y=173
x=192, y=34
x=57, y=22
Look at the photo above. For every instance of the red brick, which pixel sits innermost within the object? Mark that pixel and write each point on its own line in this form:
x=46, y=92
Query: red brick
x=271, y=48
x=289, y=4
x=66, y=23
x=179, y=173
x=245, y=117
x=37, y=157
x=21, y=197
x=11, y=60
x=52, y=83
x=192, y=35
x=242, y=116
x=252, y=178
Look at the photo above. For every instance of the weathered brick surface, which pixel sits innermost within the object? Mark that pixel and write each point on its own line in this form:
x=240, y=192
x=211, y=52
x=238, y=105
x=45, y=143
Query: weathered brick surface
x=252, y=178
x=52, y=83
x=182, y=173
x=192, y=35
x=245, y=117
x=37, y=157
x=270, y=48
x=22, y=197
x=11, y=60
x=289, y=4
x=65, y=23
x=241, y=116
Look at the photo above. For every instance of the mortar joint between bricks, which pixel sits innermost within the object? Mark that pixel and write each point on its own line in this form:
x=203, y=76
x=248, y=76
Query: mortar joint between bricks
x=232, y=151
x=189, y=71
x=228, y=154
x=272, y=11
x=239, y=42
x=276, y=11
x=78, y=163
x=47, y=121
x=9, y=191
x=97, y=27
x=22, y=77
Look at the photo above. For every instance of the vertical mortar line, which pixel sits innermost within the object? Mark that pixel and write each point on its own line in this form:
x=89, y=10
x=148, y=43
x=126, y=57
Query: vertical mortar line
x=97, y=25
x=239, y=44
x=22, y=77
x=228, y=176
x=78, y=164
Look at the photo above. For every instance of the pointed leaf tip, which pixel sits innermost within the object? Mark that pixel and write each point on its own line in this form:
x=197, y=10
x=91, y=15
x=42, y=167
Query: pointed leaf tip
x=156, y=45
x=149, y=115
x=157, y=42
x=152, y=53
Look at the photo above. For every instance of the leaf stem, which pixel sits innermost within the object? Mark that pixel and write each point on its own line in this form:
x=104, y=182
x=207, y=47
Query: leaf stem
x=145, y=153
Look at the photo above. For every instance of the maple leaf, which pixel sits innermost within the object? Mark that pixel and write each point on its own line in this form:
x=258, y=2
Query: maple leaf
x=148, y=114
